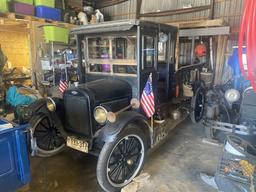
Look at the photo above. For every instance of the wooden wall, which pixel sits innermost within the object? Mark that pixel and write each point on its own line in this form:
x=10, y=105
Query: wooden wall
x=16, y=46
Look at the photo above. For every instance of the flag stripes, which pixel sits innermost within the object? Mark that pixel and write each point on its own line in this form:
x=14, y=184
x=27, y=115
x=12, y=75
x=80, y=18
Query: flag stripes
x=148, y=99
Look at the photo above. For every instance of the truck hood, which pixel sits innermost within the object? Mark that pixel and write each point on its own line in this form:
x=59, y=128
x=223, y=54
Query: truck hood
x=105, y=90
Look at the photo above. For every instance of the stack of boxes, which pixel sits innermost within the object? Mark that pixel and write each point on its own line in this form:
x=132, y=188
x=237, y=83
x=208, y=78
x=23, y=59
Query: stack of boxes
x=4, y=6
x=46, y=9
x=24, y=7
x=41, y=8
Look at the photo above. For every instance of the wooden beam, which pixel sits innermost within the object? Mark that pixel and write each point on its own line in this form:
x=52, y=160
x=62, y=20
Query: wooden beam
x=176, y=12
x=198, y=23
x=211, y=31
x=211, y=14
x=138, y=8
x=107, y=3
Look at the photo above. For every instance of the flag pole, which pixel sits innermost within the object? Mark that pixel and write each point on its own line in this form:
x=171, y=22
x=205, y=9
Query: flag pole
x=152, y=121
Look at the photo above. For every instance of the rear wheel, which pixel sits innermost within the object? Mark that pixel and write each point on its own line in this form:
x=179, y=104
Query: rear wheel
x=48, y=139
x=198, y=105
x=121, y=160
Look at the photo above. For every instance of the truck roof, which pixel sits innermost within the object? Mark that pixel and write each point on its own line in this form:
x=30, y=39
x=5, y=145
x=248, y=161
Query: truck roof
x=120, y=25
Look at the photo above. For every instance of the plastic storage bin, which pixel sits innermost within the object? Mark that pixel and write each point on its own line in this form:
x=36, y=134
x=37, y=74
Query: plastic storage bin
x=48, y=13
x=56, y=34
x=4, y=6
x=22, y=8
x=31, y=2
x=14, y=166
x=47, y=3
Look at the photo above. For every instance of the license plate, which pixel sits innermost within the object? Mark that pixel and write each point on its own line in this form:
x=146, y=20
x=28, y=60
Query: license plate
x=77, y=144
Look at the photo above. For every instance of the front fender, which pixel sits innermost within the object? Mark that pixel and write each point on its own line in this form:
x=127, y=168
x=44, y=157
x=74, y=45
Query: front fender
x=37, y=106
x=110, y=131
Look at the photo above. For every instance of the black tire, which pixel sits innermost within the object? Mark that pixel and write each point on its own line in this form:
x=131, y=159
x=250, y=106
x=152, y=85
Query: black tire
x=198, y=105
x=111, y=164
x=48, y=140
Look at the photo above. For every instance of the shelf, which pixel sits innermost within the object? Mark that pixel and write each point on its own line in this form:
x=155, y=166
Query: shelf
x=130, y=62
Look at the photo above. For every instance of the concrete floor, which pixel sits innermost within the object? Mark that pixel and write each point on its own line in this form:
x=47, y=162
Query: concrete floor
x=173, y=166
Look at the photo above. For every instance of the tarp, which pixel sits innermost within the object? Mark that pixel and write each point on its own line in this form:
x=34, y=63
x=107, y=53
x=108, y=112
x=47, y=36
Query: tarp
x=14, y=98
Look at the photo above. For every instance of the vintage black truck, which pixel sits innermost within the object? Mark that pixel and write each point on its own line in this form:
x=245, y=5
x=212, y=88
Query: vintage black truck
x=102, y=115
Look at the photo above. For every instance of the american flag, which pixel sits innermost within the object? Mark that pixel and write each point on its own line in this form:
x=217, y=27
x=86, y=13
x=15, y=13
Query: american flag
x=147, y=99
x=63, y=84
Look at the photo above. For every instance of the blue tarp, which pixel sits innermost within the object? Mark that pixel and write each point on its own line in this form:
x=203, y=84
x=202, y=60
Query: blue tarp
x=14, y=98
x=239, y=81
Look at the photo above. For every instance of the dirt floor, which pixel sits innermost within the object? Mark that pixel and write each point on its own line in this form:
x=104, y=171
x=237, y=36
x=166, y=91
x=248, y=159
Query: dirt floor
x=173, y=167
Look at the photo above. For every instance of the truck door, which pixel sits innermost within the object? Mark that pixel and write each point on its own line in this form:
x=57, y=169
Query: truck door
x=148, y=61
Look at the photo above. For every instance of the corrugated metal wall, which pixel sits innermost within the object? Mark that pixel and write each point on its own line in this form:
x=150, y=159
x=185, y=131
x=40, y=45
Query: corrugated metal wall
x=229, y=10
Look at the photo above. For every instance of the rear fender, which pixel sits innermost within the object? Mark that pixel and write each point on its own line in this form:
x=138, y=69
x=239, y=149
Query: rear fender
x=111, y=130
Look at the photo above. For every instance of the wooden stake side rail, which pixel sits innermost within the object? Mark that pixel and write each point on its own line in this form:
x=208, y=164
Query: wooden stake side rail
x=129, y=62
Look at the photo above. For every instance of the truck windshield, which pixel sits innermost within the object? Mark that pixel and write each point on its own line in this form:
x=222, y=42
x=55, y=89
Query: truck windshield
x=112, y=55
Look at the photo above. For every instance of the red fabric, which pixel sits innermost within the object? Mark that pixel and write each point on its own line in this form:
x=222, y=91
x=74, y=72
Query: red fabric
x=247, y=37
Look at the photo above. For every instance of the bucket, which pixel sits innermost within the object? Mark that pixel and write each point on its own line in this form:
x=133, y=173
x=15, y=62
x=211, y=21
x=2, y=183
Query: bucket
x=187, y=91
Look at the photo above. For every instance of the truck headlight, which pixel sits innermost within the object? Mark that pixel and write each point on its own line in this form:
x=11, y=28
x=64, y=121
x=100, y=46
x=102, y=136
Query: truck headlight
x=232, y=95
x=100, y=114
x=50, y=104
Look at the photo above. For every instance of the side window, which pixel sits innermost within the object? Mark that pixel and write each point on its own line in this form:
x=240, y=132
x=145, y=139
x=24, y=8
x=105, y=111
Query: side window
x=162, y=51
x=148, y=51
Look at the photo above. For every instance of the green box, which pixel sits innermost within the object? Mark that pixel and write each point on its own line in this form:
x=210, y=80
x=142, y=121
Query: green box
x=47, y=3
x=4, y=7
x=31, y=2
x=56, y=34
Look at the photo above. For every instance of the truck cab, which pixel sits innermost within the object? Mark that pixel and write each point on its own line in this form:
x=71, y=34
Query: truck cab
x=103, y=114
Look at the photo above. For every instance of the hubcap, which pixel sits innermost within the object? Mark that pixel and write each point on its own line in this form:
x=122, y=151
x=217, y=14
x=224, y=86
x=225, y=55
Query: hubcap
x=125, y=161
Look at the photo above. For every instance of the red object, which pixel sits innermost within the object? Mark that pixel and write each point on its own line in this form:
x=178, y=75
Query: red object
x=148, y=99
x=200, y=50
x=247, y=37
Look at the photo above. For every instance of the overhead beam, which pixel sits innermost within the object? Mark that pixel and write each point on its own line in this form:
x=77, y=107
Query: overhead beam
x=211, y=14
x=107, y=3
x=176, y=12
x=212, y=31
x=198, y=23
x=138, y=8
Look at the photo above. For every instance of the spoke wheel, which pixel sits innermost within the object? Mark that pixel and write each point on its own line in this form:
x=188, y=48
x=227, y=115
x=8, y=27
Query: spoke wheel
x=48, y=139
x=198, y=106
x=125, y=160
x=121, y=161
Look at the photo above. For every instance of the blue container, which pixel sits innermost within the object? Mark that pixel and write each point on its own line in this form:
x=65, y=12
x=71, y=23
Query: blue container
x=48, y=13
x=14, y=166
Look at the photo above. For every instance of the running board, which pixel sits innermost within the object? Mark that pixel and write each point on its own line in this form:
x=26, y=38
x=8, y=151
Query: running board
x=162, y=131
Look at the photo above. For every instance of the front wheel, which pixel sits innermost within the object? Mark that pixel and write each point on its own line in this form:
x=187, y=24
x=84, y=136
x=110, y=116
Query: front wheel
x=121, y=160
x=48, y=138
